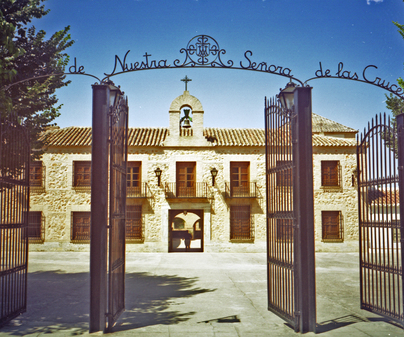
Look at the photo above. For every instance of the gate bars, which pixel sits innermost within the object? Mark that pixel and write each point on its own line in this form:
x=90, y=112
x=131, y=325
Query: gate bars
x=109, y=151
x=380, y=157
x=14, y=206
x=290, y=213
x=118, y=158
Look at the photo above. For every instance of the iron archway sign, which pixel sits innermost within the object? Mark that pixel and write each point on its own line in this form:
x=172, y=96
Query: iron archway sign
x=203, y=51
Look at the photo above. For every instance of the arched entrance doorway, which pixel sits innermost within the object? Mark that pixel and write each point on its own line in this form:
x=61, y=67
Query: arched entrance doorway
x=185, y=230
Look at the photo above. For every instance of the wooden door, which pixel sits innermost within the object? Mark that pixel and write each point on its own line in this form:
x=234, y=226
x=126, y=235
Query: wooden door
x=186, y=179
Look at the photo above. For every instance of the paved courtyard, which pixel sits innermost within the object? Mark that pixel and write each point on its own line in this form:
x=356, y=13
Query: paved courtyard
x=191, y=294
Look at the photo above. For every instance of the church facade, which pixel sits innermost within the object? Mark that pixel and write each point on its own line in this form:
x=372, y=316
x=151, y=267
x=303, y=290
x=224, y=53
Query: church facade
x=190, y=188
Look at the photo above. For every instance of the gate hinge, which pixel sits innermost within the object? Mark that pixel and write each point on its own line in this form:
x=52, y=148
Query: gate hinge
x=297, y=313
x=400, y=168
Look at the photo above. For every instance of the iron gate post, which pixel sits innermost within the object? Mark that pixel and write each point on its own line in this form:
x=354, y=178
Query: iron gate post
x=400, y=153
x=303, y=198
x=99, y=208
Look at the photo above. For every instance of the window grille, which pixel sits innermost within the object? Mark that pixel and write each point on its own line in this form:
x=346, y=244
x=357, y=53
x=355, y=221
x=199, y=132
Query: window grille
x=241, y=223
x=284, y=230
x=82, y=174
x=36, y=233
x=36, y=174
x=80, y=228
x=134, y=224
x=284, y=173
x=332, y=226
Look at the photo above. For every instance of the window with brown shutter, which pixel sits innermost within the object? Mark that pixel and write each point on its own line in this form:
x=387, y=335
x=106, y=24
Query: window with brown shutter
x=80, y=230
x=332, y=226
x=35, y=174
x=35, y=227
x=240, y=223
x=82, y=173
x=330, y=173
x=134, y=223
x=240, y=179
x=186, y=179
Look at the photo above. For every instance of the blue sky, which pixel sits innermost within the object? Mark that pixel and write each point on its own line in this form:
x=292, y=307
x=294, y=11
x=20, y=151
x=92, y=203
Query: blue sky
x=297, y=34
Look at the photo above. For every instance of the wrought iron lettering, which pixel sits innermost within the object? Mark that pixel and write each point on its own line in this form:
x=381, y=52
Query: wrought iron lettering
x=203, y=51
x=264, y=67
x=80, y=70
x=124, y=67
x=349, y=75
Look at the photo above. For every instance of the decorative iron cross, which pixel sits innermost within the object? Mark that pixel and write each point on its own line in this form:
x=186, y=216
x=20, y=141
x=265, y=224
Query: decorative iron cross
x=186, y=80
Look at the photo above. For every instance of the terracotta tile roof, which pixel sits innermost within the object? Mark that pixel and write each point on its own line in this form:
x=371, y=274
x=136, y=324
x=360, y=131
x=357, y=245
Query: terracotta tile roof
x=81, y=136
x=322, y=124
x=147, y=136
x=235, y=137
x=380, y=197
x=70, y=136
x=333, y=141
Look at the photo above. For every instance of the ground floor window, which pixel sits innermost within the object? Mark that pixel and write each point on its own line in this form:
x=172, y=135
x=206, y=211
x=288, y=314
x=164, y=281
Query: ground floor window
x=80, y=228
x=332, y=226
x=134, y=223
x=35, y=227
x=241, y=227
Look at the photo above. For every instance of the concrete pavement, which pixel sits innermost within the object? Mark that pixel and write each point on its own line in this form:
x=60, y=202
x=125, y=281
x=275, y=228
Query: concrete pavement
x=191, y=294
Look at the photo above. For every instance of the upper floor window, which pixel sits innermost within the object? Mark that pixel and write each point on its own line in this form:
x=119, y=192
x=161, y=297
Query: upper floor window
x=35, y=174
x=186, y=179
x=82, y=173
x=133, y=176
x=330, y=173
x=284, y=173
x=240, y=178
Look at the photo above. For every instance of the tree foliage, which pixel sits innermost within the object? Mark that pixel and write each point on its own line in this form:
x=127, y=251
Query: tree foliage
x=394, y=103
x=31, y=67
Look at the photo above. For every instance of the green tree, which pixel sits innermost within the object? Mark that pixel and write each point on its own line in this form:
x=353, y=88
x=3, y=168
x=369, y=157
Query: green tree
x=394, y=103
x=31, y=67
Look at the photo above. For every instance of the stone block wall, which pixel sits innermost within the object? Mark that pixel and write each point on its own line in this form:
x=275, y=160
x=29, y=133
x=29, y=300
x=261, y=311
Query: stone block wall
x=59, y=198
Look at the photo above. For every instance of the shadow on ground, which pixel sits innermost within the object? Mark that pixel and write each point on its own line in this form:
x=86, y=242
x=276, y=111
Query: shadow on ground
x=60, y=301
x=148, y=299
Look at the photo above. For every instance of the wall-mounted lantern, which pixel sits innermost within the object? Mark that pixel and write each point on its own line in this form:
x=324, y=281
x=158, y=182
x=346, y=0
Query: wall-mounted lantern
x=158, y=172
x=286, y=95
x=213, y=172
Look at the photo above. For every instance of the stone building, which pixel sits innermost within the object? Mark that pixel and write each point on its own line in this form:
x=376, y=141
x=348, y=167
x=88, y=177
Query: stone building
x=186, y=208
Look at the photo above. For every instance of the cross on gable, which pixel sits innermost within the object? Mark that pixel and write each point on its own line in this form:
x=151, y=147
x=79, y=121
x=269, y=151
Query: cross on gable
x=186, y=80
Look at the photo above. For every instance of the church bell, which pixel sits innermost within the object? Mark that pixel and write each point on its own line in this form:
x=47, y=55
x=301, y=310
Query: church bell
x=186, y=124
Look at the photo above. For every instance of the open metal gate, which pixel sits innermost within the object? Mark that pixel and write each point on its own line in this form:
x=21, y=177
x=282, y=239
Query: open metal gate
x=108, y=206
x=14, y=207
x=380, y=157
x=117, y=209
x=290, y=214
x=280, y=215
